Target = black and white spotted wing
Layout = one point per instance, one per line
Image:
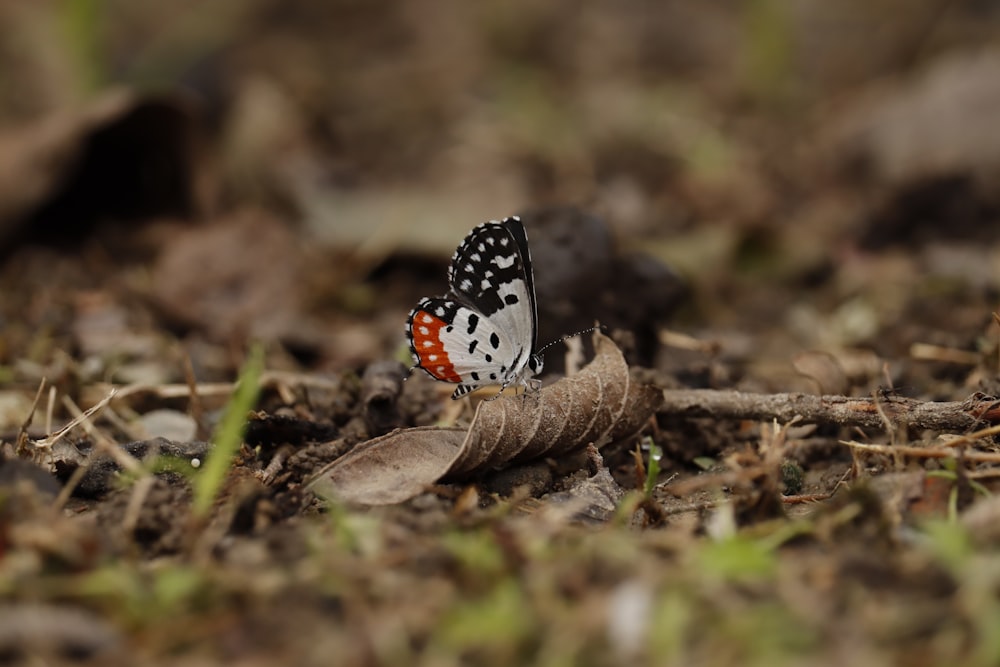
(483, 332)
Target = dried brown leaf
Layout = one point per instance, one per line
(94, 162)
(600, 404)
(34, 159)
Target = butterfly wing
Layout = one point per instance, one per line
(454, 343)
(484, 331)
(491, 270)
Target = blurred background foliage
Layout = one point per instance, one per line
(776, 139)
(656, 113)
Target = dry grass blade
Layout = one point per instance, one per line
(209, 392)
(928, 352)
(46, 443)
(961, 440)
(104, 444)
(22, 435)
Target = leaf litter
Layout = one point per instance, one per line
(599, 405)
(806, 504)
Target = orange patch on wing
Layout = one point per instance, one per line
(429, 347)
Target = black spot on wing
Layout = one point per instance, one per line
(439, 307)
(472, 346)
(473, 322)
(495, 340)
(492, 255)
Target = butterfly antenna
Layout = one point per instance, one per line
(599, 327)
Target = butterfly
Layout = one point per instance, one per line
(483, 332)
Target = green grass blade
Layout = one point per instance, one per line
(652, 468)
(229, 434)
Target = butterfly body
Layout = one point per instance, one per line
(483, 332)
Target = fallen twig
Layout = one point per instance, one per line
(806, 498)
(689, 507)
(925, 452)
(976, 411)
(275, 466)
(686, 487)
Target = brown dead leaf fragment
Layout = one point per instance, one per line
(122, 156)
(600, 404)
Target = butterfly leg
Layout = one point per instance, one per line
(506, 383)
(497, 395)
